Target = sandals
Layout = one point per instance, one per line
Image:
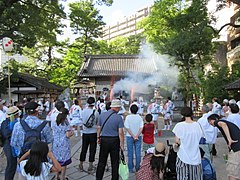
(80, 167)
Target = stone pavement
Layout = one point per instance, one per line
(73, 172)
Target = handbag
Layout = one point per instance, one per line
(203, 139)
(123, 168)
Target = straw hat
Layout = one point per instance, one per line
(116, 103)
(12, 111)
(160, 147)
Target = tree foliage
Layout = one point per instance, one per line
(86, 22)
(181, 30)
(27, 21)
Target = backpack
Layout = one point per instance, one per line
(31, 135)
(208, 172)
(90, 121)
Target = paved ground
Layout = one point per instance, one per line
(73, 172)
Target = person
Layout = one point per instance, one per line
(4, 104)
(154, 109)
(2, 114)
(12, 115)
(111, 139)
(231, 134)
(134, 126)
(187, 136)
(46, 105)
(75, 116)
(141, 106)
(61, 146)
(152, 165)
(217, 108)
(234, 116)
(148, 133)
(89, 137)
(171, 107)
(209, 172)
(210, 132)
(52, 115)
(18, 134)
(225, 108)
(37, 166)
(101, 107)
(166, 115)
(214, 150)
(137, 103)
(123, 102)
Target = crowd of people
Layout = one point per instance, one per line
(27, 138)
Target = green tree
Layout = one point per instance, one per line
(86, 22)
(126, 45)
(214, 83)
(27, 21)
(182, 31)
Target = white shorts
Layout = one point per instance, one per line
(155, 117)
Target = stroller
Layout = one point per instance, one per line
(170, 170)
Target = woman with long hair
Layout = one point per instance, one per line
(152, 166)
(37, 166)
(61, 143)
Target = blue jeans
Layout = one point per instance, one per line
(11, 162)
(131, 147)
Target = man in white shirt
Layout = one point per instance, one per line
(210, 132)
(234, 116)
(217, 108)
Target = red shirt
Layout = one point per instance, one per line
(148, 133)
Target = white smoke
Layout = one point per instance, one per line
(165, 74)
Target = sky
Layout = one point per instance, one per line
(122, 8)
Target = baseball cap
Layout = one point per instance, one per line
(31, 106)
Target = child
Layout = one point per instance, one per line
(208, 170)
(148, 133)
(37, 166)
(61, 143)
(152, 165)
(75, 116)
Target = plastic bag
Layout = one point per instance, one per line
(123, 168)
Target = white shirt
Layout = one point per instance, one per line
(138, 105)
(5, 108)
(46, 167)
(75, 115)
(66, 105)
(210, 132)
(2, 116)
(102, 107)
(217, 108)
(85, 115)
(133, 122)
(52, 116)
(47, 104)
(234, 118)
(122, 110)
(189, 135)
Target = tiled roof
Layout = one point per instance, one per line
(118, 65)
(233, 86)
(39, 83)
